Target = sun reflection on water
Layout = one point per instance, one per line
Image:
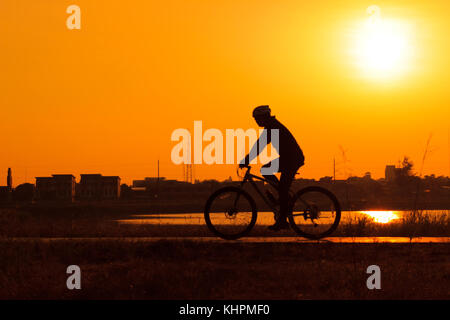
(382, 216)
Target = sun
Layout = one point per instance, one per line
(382, 216)
(382, 48)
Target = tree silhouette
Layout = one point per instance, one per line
(406, 168)
(404, 176)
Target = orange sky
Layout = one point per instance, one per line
(106, 98)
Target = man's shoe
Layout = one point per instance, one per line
(279, 225)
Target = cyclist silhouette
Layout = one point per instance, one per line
(290, 160)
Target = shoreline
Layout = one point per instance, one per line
(128, 207)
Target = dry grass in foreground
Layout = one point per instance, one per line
(189, 270)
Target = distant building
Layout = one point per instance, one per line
(6, 192)
(98, 187)
(58, 187)
(154, 186)
(9, 179)
(326, 179)
(138, 184)
(389, 173)
(149, 182)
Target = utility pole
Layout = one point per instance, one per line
(334, 169)
(448, 140)
(157, 182)
(189, 173)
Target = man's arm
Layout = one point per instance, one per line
(259, 145)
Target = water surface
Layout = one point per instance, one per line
(266, 218)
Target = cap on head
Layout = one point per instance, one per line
(261, 111)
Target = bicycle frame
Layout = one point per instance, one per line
(310, 211)
(250, 178)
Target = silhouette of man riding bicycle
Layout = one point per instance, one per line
(290, 160)
(313, 212)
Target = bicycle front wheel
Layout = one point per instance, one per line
(315, 212)
(230, 213)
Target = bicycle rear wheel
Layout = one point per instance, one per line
(230, 213)
(315, 212)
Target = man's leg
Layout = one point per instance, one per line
(285, 184)
(287, 176)
(283, 196)
(268, 172)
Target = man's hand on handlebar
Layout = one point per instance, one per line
(244, 163)
(242, 166)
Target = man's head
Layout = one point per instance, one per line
(261, 115)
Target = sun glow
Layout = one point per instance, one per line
(382, 216)
(382, 47)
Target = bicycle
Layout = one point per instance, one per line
(314, 212)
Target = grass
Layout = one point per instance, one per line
(416, 224)
(190, 270)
